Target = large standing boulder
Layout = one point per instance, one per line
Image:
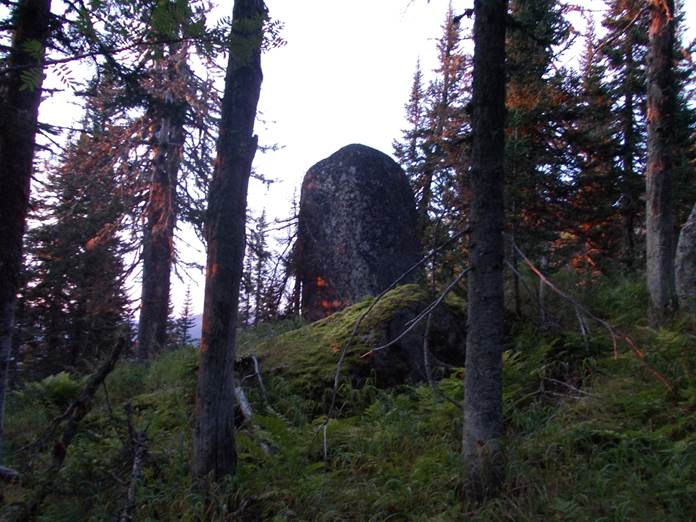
(685, 264)
(357, 229)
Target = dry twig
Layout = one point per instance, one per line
(425, 313)
(614, 332)
(138, 441)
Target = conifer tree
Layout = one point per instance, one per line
(21, 78)
(536, 102)
(435, 149)
(214, 452)
(185, 322)
(74, 301)
(625, 51)
(661, 111)
(167, 117)
(592, 222)
(260, 256)
(411, 151)
(684, 123)
(483, 458)
(169, 110)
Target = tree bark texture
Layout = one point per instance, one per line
(660, 252)
(483, 464)
(158, 240)
(20, 96)
(214, 448)
(685, 264)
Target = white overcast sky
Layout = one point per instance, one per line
(343, 77)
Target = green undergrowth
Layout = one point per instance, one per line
(588, 435)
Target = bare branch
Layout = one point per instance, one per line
(613, 331)
(414, 322)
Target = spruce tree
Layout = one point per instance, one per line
(483, 469)
(168, 109)
(625, 51)
(74, 300)
(410, 152)
(435, 149)
(185, 322)
(260, 255)
(536, 118)
(592, 224)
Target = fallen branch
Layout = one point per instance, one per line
(614, 332)
(569, 386)
(243, 402)
(376, 300)
(428, 368)
(73, 415)
(248, 414)
(540, 305)
(425, 313)
(426, 355)
(257, 371)
(138, 441)
(97, 379)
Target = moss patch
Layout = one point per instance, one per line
(308, 356)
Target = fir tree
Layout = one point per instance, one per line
(435, 149)
(592, 223)
(536, 102)
(259, 258)
(74, 299)
(410, 151)
(185, 322)
(625, 49)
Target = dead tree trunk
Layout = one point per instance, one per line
(483, 459)
(658, 175)
(20, 96)
(214, 448)
(158, 240)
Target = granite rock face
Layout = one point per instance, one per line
(357, 229)
(685, 264)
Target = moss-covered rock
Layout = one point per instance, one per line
(307, 356)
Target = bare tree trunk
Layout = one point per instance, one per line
(214, 448)
(660, 251)
(483, 464)
(158, 239)
(19, 106)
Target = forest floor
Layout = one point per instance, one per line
(590, 432)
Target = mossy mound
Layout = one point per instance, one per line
(308, 356)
